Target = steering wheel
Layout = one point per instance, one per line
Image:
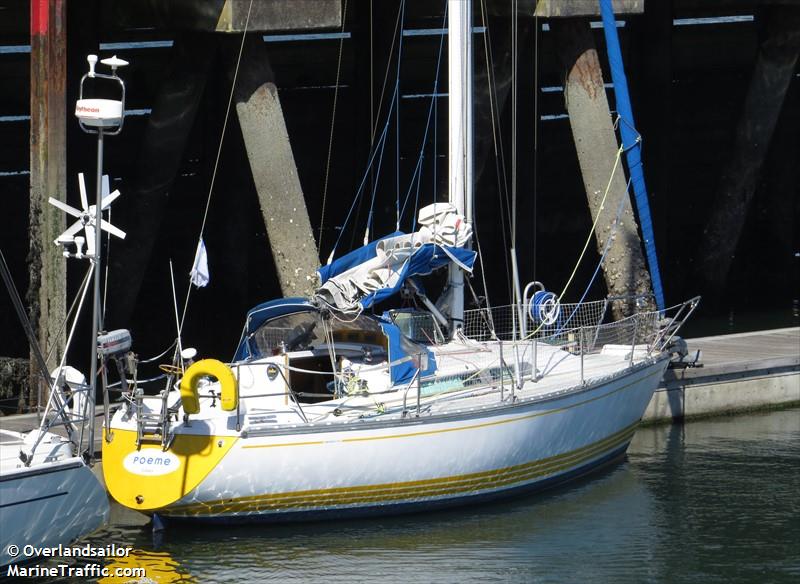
(170, 369)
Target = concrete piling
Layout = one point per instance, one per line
(592, 126)
(272, 164)
(772, 75)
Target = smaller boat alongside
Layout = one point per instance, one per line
(51, 498)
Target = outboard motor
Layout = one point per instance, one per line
(116, 346)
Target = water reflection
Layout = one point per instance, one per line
(709, 501)
(520, 539)
(159, 567)
(725, 496)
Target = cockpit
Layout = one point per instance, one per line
(380, 351)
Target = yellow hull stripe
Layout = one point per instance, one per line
(460, 428)
(383, 493)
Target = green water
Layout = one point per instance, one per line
(709, 501)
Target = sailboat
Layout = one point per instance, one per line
(329, 410)
(49, 494)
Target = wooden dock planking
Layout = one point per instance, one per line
(748, 351)
(737, 372)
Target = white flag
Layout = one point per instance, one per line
(199, 274)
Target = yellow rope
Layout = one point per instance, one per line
(594, 224)
(589, 238)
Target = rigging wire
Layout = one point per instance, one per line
(435, 147)
(357, 196)
(397, 120)
(397, 34)
(82, 295)
(376, 149)
(499, 151)
(63, 325)
(535, 136)
(591, 233)
(514, 89)
(105, 276)
(395, 103)
(594, 223)
(225, 121)
(378, 174)
(219, 152)
(333, 123)
(417, 174)
(373, 124)
(483, 270)
(612, 233)
(160, 355)
(388, 67)
(371, 71)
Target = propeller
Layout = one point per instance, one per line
(86, 217)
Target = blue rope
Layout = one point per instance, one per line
(632, 143)
(599, 264)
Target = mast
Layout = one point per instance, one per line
(459, 51)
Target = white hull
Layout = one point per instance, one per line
(404, 465)
(49, 504)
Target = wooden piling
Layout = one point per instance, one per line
(48, 167)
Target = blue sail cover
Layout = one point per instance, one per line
(351, 259)
(632, 145)
(422, 261)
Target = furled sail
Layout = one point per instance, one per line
(376, 271)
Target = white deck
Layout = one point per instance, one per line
(558, 372)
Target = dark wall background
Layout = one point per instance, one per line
(688, 80)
